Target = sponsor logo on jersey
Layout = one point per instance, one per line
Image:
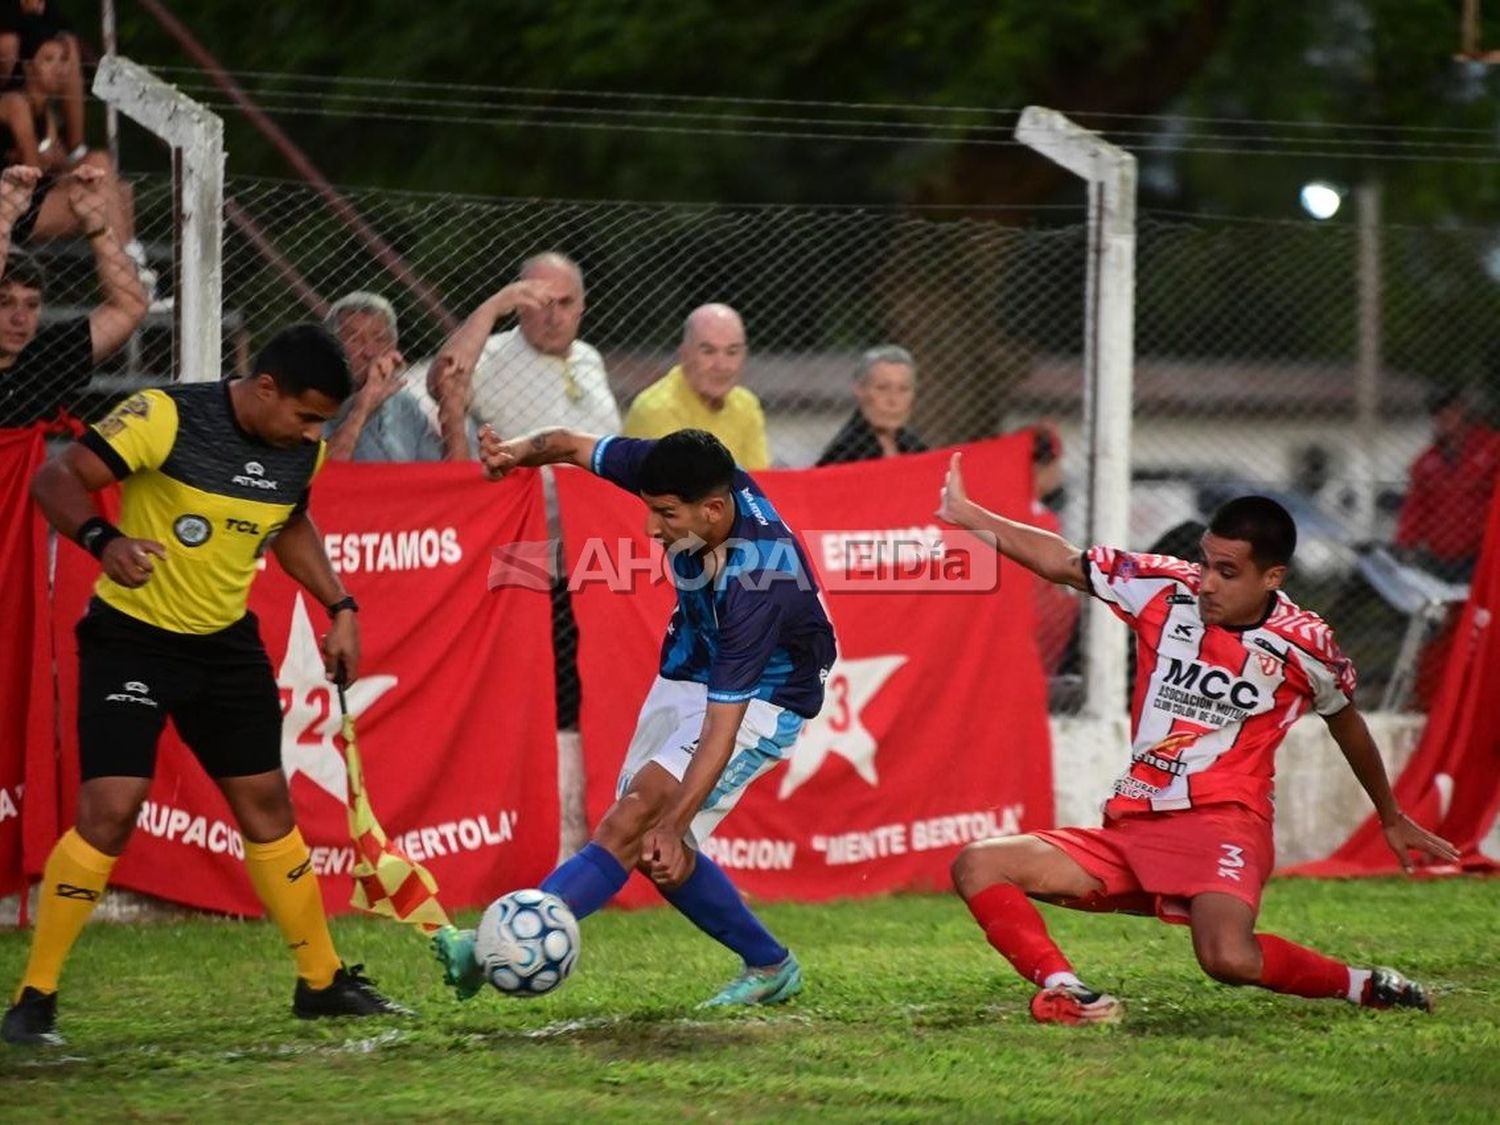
(244, 527)
(748, 499)
(254, 476)
(136, 406)
(1183, 631)
(192, 531)
(1181, 599)
(1279, 654)
(1211, 683)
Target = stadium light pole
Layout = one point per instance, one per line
(1108, 367)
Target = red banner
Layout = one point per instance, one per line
(25, 678)
(934, 731)
(455, 700)
(1451, 785)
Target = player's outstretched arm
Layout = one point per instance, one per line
(545, 447)
(1040, 552)
(61, 490)
(1403, 834)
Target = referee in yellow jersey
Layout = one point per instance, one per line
(213, 474)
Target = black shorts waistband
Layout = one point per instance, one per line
(102, 615)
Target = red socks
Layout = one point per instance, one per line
(1014, 927)
(1299, 971)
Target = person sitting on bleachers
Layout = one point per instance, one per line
(885, 389)
(47, 366)
(383, 420)
(29, 135)
(25, 23)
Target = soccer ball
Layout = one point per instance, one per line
(527, 942)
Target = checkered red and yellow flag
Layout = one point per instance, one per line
(385, 881)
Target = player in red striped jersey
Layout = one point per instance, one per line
(1225, 664)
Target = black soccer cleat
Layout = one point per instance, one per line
(351, 993)
(1387, 988)
(32, 1020)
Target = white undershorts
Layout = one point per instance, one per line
(667, 733)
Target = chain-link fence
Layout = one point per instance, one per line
(1248, 370)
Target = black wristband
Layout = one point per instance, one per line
(346, 602)
(96, 533)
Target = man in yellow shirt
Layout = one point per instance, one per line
(703, 393)
(213, 475)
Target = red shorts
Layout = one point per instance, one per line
(1157, 862)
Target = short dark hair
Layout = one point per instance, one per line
(306, 357)
(1261, 522)
(22, 269)
(690, 464)
(1440, 398)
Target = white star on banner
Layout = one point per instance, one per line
(838, 729)
(310, 719)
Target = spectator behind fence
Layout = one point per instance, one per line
(382, 420)
(24, 24)
(885, 389)
(1441, 524)
(44, 367)
(29, 135)
(538, 373)
(535, 375)
(1057, 607)
(703, 393)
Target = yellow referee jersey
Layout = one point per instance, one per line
(209, 492)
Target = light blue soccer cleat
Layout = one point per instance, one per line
(760, 986)
(454, 948)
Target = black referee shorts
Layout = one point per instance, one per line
(217, 688)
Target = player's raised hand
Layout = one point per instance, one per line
(129, 562)
(493, 454)
(1405, 835)
(953, 502)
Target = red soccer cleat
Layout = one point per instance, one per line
(1074, 1004)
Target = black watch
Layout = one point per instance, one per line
(338, 607)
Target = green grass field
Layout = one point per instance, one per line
(907, 1016)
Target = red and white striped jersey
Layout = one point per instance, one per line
(1210, 703)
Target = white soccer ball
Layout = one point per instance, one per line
(527, 942)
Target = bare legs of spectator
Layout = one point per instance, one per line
(55, 218)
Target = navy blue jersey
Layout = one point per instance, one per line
(758, 630)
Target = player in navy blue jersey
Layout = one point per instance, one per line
(742, 668)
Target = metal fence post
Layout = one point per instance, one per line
(197, 138)
(1109, 367)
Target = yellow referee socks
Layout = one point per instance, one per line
(282, 875)
(72, 882)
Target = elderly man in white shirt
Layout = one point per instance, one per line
(536, 375)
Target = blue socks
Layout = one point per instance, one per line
(592, 877)
(709, 900)
(587, 881)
